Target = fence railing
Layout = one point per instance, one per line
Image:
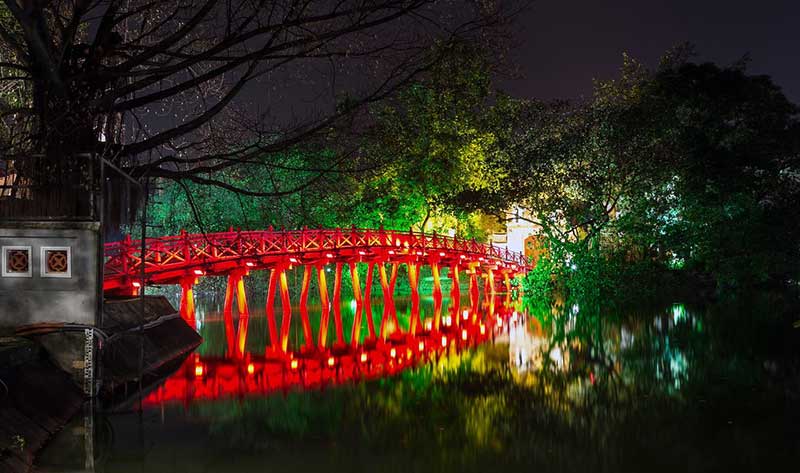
(173, 252)
(45, 188)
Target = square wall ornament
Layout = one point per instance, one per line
(17, 262)
(56, 262)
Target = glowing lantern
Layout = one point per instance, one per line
(444, 341)
(331, 361)
(198, 272)
(250, 368)
(483, 329)
(421, 346)
(464, 334)
(393, 353)
(294, 364)
(363, 357)
(198, 370)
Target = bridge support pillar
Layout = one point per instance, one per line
(355, 333)
(235, 290)
(286, 307)
(337, 304)
(187, 301)
(490, 291)
(368, 304)
(307, 336)
(473, 286)
(392, 285)
(413, 282)
(270, 310)
(387, 288)
(325, 307)
(455, 293)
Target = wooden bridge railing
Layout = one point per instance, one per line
(124, 258)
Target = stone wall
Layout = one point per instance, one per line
(59, 283)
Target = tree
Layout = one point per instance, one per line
(433, 141)
(689, 165)
(441, 138)
(733, 184)
(163, 88)
(571, 165)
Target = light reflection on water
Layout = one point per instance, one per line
(649, 388)
(218, 370)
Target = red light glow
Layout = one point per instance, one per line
(234, 376)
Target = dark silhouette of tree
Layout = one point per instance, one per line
(176, 89)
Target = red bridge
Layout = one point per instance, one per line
(184, 258)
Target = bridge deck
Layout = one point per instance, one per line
(170, 259)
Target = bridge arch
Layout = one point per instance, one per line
(183, 259)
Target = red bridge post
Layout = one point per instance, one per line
(355, 333)
(286, 307)
(337, 304)
(437, 296)
(388, 299)
(413, 281)
(270, 310)
(235, 289)
(473, 285)
(187, 300)
(325, 306)
(367, 300)
(307, 336)
(455, 292)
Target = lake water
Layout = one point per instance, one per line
(670, 387)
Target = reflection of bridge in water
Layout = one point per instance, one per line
(251, 374)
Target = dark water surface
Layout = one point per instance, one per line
(675, 387)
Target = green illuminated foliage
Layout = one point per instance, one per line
(688, 167)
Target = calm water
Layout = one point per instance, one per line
(676, 387)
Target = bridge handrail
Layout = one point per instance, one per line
(122, 257)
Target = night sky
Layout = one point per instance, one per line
(564, 44)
